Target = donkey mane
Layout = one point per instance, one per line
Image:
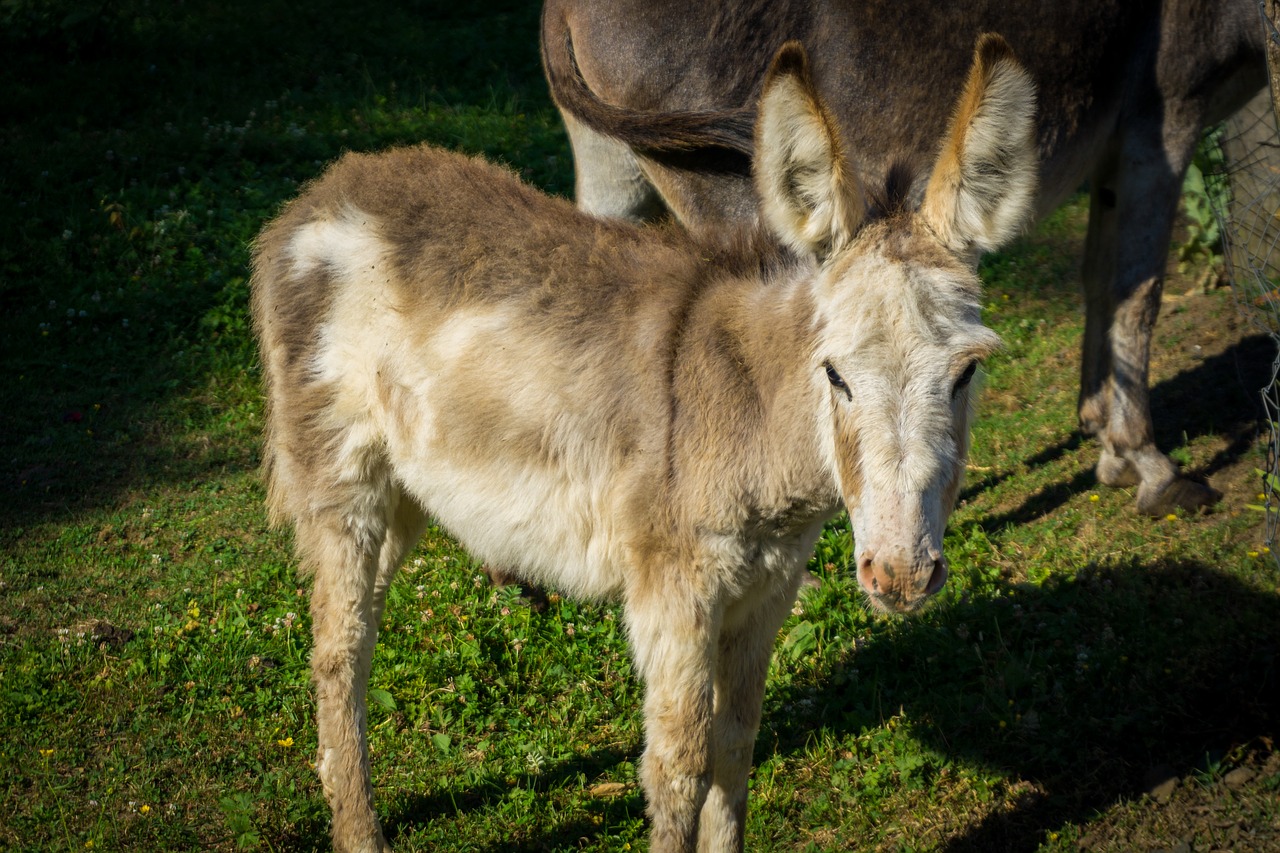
(397, 187)
(893, 198)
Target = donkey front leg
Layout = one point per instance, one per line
(407, 524)
(746, 645)
(353, 564)
(1135, 193)
(673, 640)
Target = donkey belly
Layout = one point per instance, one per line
(543, 525)
(513, 448)
(512, 427)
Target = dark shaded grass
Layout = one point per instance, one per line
(147, 143)
(1097, 678)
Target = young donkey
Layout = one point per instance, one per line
(625, 413)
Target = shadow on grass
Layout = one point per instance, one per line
(602, 812)
(1218, 396)
(123, 115)
(413, 810)
(1081, 686)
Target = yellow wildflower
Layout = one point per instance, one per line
(285, 742)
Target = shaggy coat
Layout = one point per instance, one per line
(659, 97)
(630, 414)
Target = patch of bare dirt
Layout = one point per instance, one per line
(1237, 811)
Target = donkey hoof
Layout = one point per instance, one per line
(1179, 492)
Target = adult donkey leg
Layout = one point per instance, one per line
(743, 665)
(608, 180)
(673, 634)
(345, 549)
(1134, 198)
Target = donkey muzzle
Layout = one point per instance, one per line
(901, 582)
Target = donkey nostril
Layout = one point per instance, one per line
(938, 578)
(867, 574)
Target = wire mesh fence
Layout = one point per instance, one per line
(1241, 167)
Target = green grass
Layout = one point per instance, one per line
(154, 639)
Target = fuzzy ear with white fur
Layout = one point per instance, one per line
(983, 186)
(810, 196)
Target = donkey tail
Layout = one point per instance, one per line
(646, 132)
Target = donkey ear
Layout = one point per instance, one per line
(983, 185)
(809, 195)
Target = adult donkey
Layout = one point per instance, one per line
(657, 95)
(630, 413)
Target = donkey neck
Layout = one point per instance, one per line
(747, 406)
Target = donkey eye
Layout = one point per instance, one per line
(965, 378)
(836, 381)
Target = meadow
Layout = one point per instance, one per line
(1089, 679)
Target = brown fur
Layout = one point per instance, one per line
(1125, 89)
(620, 412)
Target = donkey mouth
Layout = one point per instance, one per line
(892, 592)
(895, 603)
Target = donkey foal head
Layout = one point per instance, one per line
(897, 302)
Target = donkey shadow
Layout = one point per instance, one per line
(1082, 687)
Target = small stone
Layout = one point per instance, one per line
(1160, 782)
(1238, 778)
(106, 634)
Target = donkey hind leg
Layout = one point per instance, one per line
(353, 552)
(608, 180)
(741, 670)
(1134, 196)
(673, 635)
